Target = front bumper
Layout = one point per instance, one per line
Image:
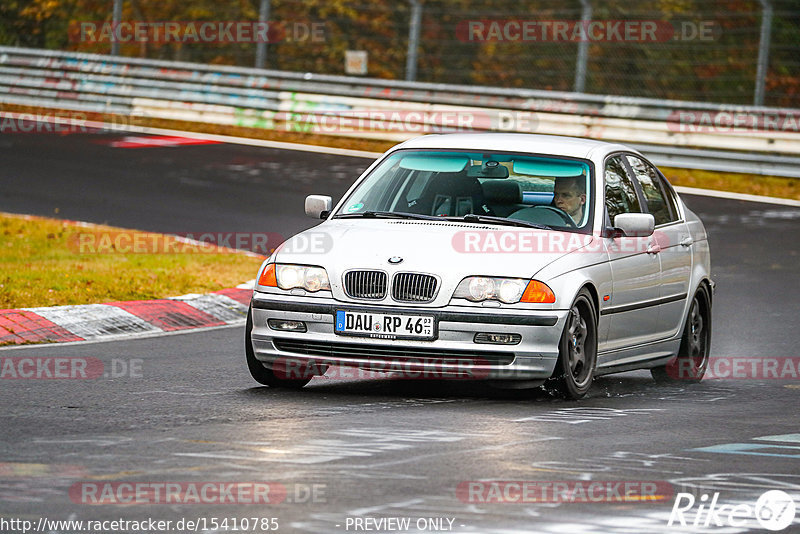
(452, 354)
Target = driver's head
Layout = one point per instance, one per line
(569, 195)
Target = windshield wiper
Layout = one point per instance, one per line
(388, 215)
(471, 217)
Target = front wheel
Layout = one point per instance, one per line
(261, 374)
(692, 360)
(577, 350)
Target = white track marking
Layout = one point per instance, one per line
(736, 196)
(92, 321)
(123, 337)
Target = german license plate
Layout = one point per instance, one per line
(385, 325)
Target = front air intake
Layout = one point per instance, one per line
(369, 285)
(413, 287)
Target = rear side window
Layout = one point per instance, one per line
(669, 196)
(658, 203)
(620, 193)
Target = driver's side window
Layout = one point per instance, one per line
(620, 193)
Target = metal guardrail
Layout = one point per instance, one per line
(389, 109)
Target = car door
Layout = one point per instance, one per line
(631, 310)
(674, 240)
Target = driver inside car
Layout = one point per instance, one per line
(569, 195)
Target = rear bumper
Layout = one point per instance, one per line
(453, 354)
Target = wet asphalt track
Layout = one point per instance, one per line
(379, 448)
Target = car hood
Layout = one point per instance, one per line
(449, 250)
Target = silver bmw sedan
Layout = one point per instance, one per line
(514, 258)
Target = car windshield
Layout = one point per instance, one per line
(485, 187)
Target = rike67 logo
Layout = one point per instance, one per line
(774, 510)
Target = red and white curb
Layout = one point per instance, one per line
(90, 322)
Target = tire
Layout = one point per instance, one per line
(577, 350)
(261, 374)
(692, 360)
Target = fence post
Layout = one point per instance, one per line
(261, 47)
(583, 49)
(763, 52)
(116, 18)
(413, 40)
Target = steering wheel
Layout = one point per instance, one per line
(561, 213)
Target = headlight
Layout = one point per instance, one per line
(508, 290)
(285, 276)
(480, 288)
(309, 278)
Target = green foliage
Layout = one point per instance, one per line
(721, 68)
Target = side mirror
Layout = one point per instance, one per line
(635, 224)
(318, 206)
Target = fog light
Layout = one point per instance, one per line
(497, 339)
(286, 326)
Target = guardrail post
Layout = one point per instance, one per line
(261, 47)
(413, 40)
(116, 18)
(763, 52)
(583, 49)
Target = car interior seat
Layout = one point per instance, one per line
(503, 196)
(451, 195)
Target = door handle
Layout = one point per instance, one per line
(687, 241)
(653, 248)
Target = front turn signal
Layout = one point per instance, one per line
(538, 293)
(268, 277)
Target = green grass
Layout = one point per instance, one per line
(42, 264)
(753, 184)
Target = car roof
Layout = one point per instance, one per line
(515, 142)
